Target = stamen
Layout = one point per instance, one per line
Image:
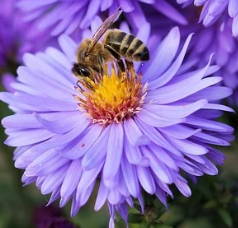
(112, 97)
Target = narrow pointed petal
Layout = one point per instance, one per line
(114, 151)
(146, 179)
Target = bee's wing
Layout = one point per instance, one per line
(104, 27)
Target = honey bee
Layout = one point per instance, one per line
(115, 46)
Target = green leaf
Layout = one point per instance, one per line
(196, 223)
(226, 217)
(172, 216)
(135, 218)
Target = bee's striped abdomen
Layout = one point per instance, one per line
(141, 52)
(127, 45)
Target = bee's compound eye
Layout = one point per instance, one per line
(85, 72)
(80, 70)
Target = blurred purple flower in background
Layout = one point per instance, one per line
(7, 80)
(166, 127)
(218, 40)
(17, 37)
(73, 16)
(214, 10)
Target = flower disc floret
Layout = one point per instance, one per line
(114, 97)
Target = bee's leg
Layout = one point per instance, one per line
(117, 56)
(121, 65)
(78, 86)
(98, 72)
(129, 65)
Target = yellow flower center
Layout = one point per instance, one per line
(112, 97)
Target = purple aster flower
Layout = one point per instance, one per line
(129, 132)
(212, 10)
(16, 37)
(7, 80)
(70, 17)
(217, 40)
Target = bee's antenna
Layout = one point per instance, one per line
(104, 27)
(120, 11)
(117, 13)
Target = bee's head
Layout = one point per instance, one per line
(81, 70)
